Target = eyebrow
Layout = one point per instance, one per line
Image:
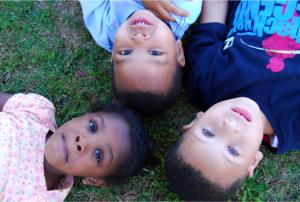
(162, 63)
(110, 152)
(229, 159)
(119, 61)
(108, 146)
(102, 123)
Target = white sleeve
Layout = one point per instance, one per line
(96, 16)
(274, 141)
(193, 7)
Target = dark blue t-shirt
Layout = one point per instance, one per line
(257, 57)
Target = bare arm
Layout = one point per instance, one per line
(214, 11)
(164, 8)
(3, 98)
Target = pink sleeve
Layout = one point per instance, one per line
(34, 106)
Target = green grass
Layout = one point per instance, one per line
(45, 49)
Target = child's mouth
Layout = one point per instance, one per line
(140, 21)
(65, 148)
(242, 112)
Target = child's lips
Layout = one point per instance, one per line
(243, 112)
(140, 21)
(64, 148)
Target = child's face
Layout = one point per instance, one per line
(223, 143)
(91, 145)
(145, 54)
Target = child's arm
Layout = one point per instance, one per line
(214, 11)
(3, 98)
(163, 8)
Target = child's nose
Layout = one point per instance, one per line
(139, 36)
(81, 143)
(232, 126)
(140, 32)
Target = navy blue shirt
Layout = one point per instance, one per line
(256, 57)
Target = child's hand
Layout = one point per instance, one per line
(164, 8)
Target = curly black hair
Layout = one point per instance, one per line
(190, 184)
(150, 103)
(140, 141)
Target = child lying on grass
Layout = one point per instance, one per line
(147, 54)
(255, 68)
(38, 159)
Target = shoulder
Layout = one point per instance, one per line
(32, 105)
(32, 100)
(90, 5)
(205, 41)
(64, 188)
(103, 17)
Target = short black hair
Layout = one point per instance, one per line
(140, 141)
(147, 102)
(190, 184)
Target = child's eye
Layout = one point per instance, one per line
(98, 155)
(92, 126)
(233, 151)
(207, 133)
(155, 52)
(125, 52)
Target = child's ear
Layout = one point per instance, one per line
(180, 53)
(257, 158)
(112, 57)
(94, 181)
(190, 125)
(199, 115)
(113, 52)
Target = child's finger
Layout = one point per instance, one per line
(178, 11)
(166, 15)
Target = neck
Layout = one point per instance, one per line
(268, 130)
(52, 175)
